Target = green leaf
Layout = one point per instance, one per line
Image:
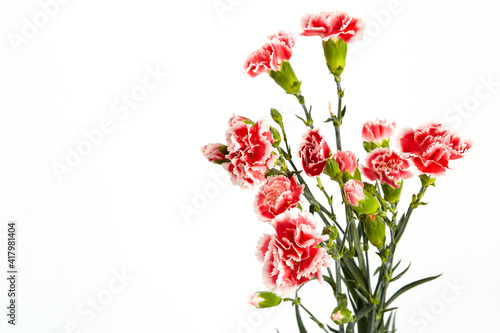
(330, 281)
(332, 329)
(410, 286)
(364, 311)
(388, 310)
(355, 273)
(303, 120)
(302, 328)
(401, 274)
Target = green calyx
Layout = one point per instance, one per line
(335, 55)
(286, 79)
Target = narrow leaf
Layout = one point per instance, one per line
(302, 329)
(410, 286)
(401, 274)
(364, 311)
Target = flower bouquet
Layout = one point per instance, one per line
(258, 156)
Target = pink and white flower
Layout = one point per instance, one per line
(292, 256)
(250, 151)
(353, 190)
(346, 160)
(213, 152)
(277, 195)
(377, 131)
(432, 146)
(314, 152)
(333, 25)
(271, 55)
(387, 167)
(255, 299)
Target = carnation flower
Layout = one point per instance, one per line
(213, 152)
(431, 147)
(387, 167)
(250, 151)
(271, 55)
(292, 256)
(333, 25)
(377, 131)
(314, 152)
(346, 160)
(278, 194)
(353, 190)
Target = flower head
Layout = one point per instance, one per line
(250, 151)
(333, 25)
(347, 160)
(353, 190)
(377, 131)
(214, 152)
(386, 166)
(314, 152)
(432, 146)
(271, 55)
(292, 256)
(278, 194)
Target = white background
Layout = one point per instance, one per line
(122, 208)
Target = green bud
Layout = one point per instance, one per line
(392, 194)
(264, 299)
(341, 315)
(286, 79)
(426, 180)
(276, 116)
(332, 170)
(369, 205)
(375, 230)
(314, 208)
(276, 137)
(335, 55)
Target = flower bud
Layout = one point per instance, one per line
(341, 316)
(375, 230)
(335, 55)
(215, 153)
(276, 115)
(264, 299)
(286, 79)
(332, 169)
(360, 200)
(276, 137)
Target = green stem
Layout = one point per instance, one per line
(339, 110)
(314, 318)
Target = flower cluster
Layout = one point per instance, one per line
(258, 156)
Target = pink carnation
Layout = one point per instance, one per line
(292, 256)
(212, 152)
(277, 195)
(271, 55)
(334, 25)
(255, 299)
(353, 190)
(347, 160)
(250, 151)
(431, 147)
(386, 166)
(314, 152)
(377, 130)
